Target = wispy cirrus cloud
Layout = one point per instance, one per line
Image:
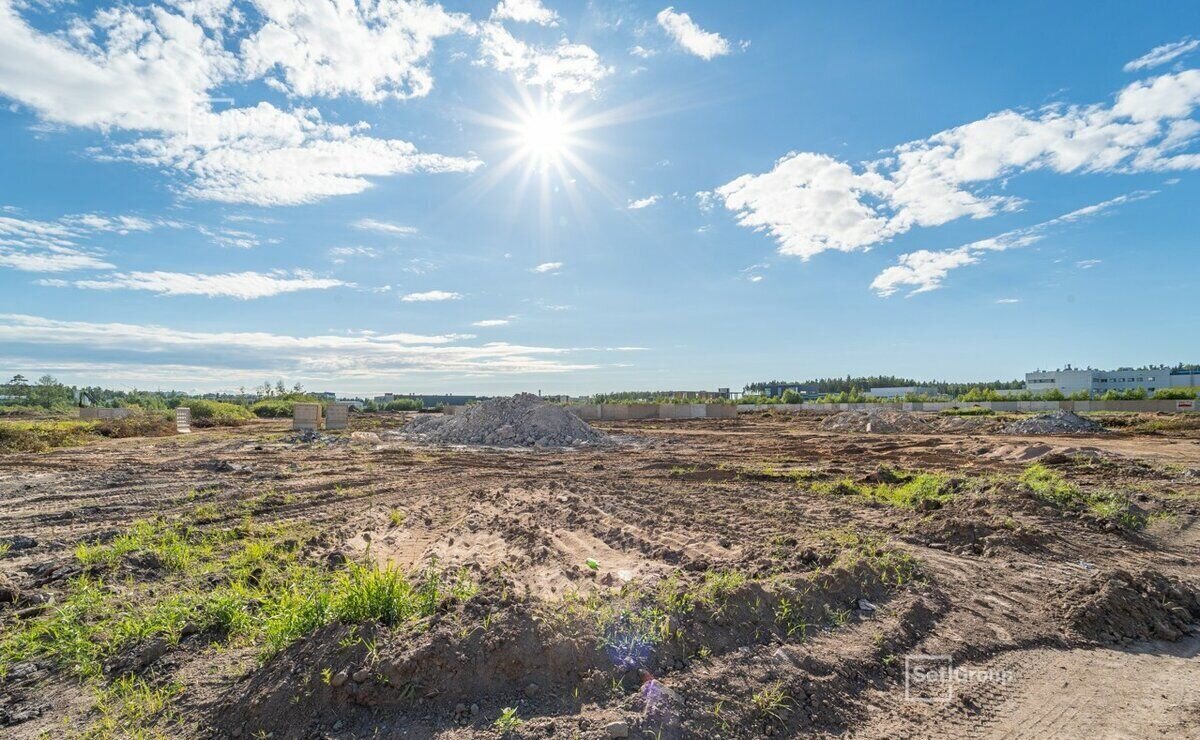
(925, 270)
(1164, 54)
(240, 285)
(384, 227)
(548, 267)
(431, 296)
(345, 357)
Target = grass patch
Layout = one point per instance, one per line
(40, 436)
(968, 411)
(918, 491)
(1052, 487)
(508, 721)
(771, 702)
(243, 586)
(128, 706)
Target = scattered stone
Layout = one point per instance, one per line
(362, 674)
(524, 420)
(866, 606)
(619, 728)
(18, 542)
(531, 690)
(339, 679)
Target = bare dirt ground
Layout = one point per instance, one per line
(736, 578)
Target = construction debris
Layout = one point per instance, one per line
(1059, 422)
(524, 420)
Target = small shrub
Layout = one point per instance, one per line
(217, 413)
(150, 424)
(969, 411)
(39, 436)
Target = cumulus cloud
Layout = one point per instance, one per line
(153, 70)
(925, 270)
(374, 50)
(693, 38)
(811, 202)
(564, 69)
(548, 267)
(646, 202)
(487, 323)
(525, 11)
(431, 296)
(1161, 55)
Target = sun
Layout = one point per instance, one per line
(545, 135)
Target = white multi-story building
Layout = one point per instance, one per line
(1073, 380)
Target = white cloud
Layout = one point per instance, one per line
(1160, 55)
(565, 69)
(1087, 264)
(241, 285)
(642, 52)
(48, 246)
(685, 32)
(525, 11)
(548, 267)
(925, 270)
(640, 203)
(755, 278)
(812, 202)
(269, 157)
(367, 252)
(431, 295)
(1007, 301)
(486, 323)
(155, 66)
(372, 50)
(344, 357)
(384, 227)
(153, 70)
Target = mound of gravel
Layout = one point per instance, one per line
(1059, 422)
(881, 421)
(524, 420)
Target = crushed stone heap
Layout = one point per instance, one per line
(878, 421)
(524, 420)
(1059, 422)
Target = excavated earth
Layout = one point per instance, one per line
(1058, 622)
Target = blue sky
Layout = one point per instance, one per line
(580, 197)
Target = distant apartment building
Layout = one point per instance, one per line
(902, 391)
(1097, 382)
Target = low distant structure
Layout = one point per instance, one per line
(428, 401)
(1070, 380)
(776, 390)
(306, 417)
(902, 391)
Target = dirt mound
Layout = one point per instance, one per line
(523, 420)
(883, 421)
(1113, 606)
(1059, 422)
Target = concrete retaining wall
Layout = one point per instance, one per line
(627, 411)
(306, 416)
(1033, 406)
(91, 413)
(337, 416)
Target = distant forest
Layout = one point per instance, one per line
(850, 383)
